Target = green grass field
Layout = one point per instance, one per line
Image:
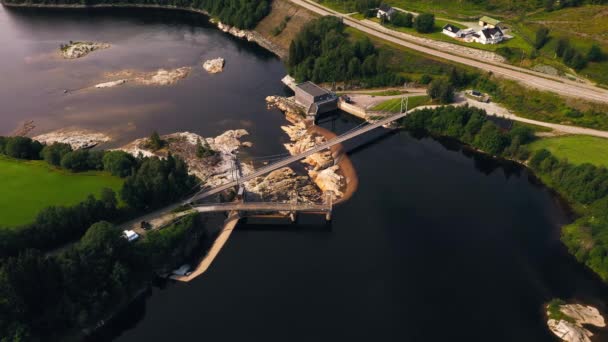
(577, 149)
(29, 186)
(394, 105)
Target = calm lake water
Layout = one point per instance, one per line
(437, 244)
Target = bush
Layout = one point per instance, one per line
(82, 160)
(53, 154)
(424, 23)
(119, 163)
(595, 54)
(542, 37)
(402, 19)
(441, 90)
(20, 147)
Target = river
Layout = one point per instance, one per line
(437, 244)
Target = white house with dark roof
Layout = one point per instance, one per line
(452, 31)
(490, 36)
(385, 11)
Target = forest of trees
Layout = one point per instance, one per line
(44, 296)
(322, 52)
(244, 14)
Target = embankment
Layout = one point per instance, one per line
(215, 249)
(347, 169)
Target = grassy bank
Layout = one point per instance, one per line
(34, 185)
(394, 105)
(577, 149)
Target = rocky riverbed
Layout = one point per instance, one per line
(281, 185)
(80, 49)
(78, 138)
(321, 166)
(569, 323)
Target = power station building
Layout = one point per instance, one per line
(315, 99)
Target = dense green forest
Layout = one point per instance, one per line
(323, 52)
(44, 297)
(150, 182)
(243, 14)
(585, 186)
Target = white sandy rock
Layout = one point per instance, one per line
(213, 66)
(81, 49)
(328, 180)
(111, 84)
(75, 137)
(164, 77)
(575, 332)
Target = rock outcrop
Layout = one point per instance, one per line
(214, 169)
(80, 49)
(571, 327)
(213, 66)
(163, 77)
(160, 77)
(293, 112)
(283, 185)
(75, 137)
(251, 36)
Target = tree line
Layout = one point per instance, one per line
(43, 297)
(244, 14)
(586, 186)
(471, 126)
(323, 52)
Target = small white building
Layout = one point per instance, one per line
(451, 31)
(488, 22)
(130, 235)
(385, 11)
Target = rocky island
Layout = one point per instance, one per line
(213, 66)
(75, 50)
(160, 77)
(567, 321)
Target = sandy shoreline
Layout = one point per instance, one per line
(347, 169)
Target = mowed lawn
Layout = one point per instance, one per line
(394, 105)
(578, 149)
(29, 186)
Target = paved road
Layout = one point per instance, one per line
(531, 78)
(494, 108)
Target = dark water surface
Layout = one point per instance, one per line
(437, 244)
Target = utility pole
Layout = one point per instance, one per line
(406, 100)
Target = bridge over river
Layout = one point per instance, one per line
(204, 193)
